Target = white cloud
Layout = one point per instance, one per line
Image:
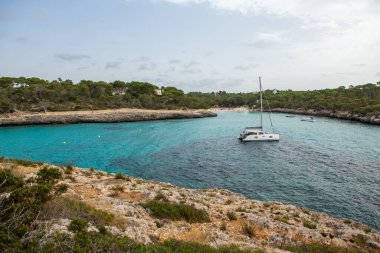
(263, 40)
(329, 37)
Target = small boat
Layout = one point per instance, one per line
(290, 116)
(309, 119)
(257, 133)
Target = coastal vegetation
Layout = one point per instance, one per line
(43, 210)
(35, 94)
(23, 203)
(176, 211)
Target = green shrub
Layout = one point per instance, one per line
(228, 202)
(223, 226)
(360, 239)
(158, 224)
(68, 208)
(102, 229)
(62, 188)
(321, 248)
(118, 188)
(241, 209)
(119, 176)
(248, 229)
(284, 219)
(19, 209)
(309, 224)
(8, 181)
(347, 221)
(231, 216)
(106, 242)
(69, 169)
(160, 196)
(78, 225)
(49, 175)
(266, 205)
(175, 211)
(25, 163)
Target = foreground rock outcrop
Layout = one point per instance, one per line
(233, 218)
(339, 115)
(99, 116)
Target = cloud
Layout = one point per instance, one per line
(191, 67)
(147, 66)
(22, 39)
(209, 53)
(174, 61)
(360, 65)
(190, 64)
(347, 73)
(72, 57)
(378, 74)
(246, 67)
(113, 65)
(142, 59)
(82, 68)
(263, 40)
(316, 13)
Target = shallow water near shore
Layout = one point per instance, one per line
(330, 165)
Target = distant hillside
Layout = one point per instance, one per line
(34, 94)
(363, 99)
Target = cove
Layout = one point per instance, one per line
(330, 165)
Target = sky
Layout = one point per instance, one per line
(196, 45)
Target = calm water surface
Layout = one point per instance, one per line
(330, 165)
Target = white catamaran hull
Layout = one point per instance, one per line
(263, 137)
(257, 133)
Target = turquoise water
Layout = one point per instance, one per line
(330, 165)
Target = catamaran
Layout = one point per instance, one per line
(309, 119)
(257, 133)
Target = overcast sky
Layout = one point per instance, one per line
(197, 45)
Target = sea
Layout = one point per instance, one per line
(330, 165)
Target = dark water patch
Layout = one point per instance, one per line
(309, 178)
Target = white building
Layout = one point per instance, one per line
(159, 92)
(19, 85)
(119, 91)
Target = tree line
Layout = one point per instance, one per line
(35, 94)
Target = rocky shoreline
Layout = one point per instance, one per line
(338, 115)
(99, 116)
(233, 218)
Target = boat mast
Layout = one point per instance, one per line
(261, 104)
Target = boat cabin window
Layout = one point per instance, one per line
(252, 133)
(261, 133)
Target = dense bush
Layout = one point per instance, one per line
(106, 242)
(78, 225)
(323, 248)
(26, 203)
(68, 208)
(20, 208)
(176, 211)
(49, 175)
(34, 94)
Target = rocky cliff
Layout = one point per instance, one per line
(231, 218)
(339, 115)
(99, 116)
